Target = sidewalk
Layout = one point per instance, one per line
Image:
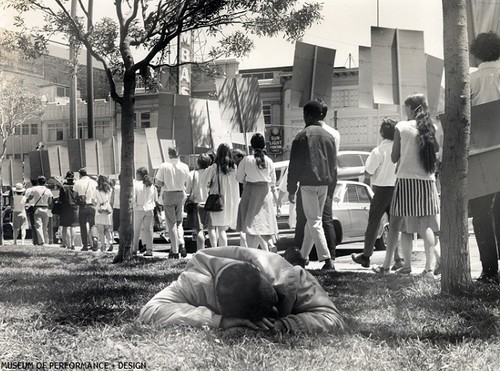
(345, 263)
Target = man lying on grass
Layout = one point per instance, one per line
(228, 287)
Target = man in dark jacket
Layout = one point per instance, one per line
(313, 165)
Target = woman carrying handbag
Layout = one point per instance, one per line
(221, 176)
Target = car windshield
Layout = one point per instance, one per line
(349, 160)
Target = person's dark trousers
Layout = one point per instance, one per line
(380, 204)
(31, 216)
(301, 220)
(328, 227)
(481, 210)
(86, 215)
(327, 219)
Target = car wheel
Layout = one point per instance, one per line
(380, 243)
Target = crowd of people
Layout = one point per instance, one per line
(232, 190)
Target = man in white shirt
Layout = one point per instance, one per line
(382, 171)
(86, 186)
(172, 176)
(41, 198)
(485, 210)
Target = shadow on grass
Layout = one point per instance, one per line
(396, 307)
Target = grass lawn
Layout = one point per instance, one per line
(65, 306)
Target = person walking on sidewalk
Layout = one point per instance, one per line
(41, 199)
(172, 176)
(256, 211)
(144, 201)
(382, 172)
(327, 216)
(85, 188)
(313, 165)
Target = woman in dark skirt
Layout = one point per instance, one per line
(256, 212)
(197, 218)
(68, 218)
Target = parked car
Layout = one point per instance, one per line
(350, 166)
(351, 205)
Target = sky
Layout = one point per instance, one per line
(346, 25)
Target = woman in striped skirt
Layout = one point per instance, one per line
(415, 202)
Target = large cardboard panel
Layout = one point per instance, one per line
(484, 166)
(63, 160)
(312, 73)
(90, 156)
(153, 144)
(384, 66)
(141, 156)
(39, 164)
(365, 87)
(240, 105)
(54, 161)
(218, 133)
(250, 104)
(166, 102)
(7, 176)
(108, 166)
(434, 67)
(75, 154)
(200, 125)
(183, 131)
(411, 63)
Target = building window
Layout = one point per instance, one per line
(62, 92)
(266, 110)
(17, 130)
(103, 130)
(145, 120)
(17, 156)
(34, 129)
(56, 132)
(25, 129)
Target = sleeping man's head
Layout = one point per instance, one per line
(242, 291)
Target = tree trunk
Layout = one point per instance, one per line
(127, 169)
(456, 276)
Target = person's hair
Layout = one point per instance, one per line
(238, 155)
(172, 152)
(70, 174)
(82, 172)
(486, 46)
(243, 292)
(41, 180)
(224, 158)
(324, 108)
(103, 184)
(258, 143)
(204, 160)
(314, 109)
(426, 138)
(144, 174)
(387, 128)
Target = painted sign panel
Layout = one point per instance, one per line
(312, 73)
